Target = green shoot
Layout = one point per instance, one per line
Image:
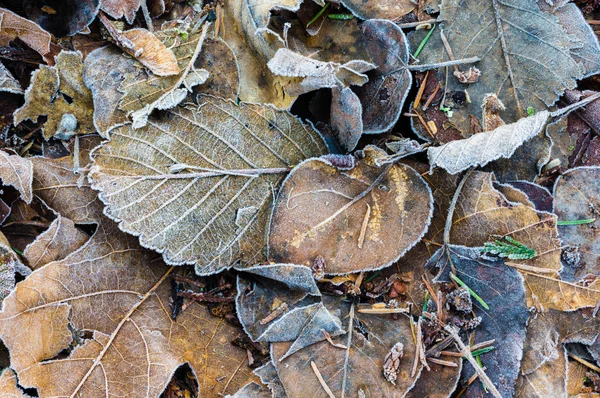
(471, 292)
(425, 40)
(369, 279)
(576, 222)
(341, 17)
(476, 353)
(446, 110)
(425, 304)
(509, 248)
(530, 111)
(571, 147)
(19, 252)
(481, 364)
(321, 11)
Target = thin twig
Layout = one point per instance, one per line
(321, 380)
(568, 109)
(443, 363)
(423, 67)
(147, 17)
(448, 48)
(467, 354)
(421, 90)
(418, 347)
(584, 362)
(378, 311)
(363, 228)
(452, 207)
(431, 97)
(415, 24)
(530, 268)
(336, 345)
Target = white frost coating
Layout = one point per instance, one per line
(488, 146)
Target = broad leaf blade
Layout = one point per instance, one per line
(198, 185)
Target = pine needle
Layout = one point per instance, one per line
(576, 222)
(425, 40)
(509, 248)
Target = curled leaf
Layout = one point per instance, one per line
(378, 213)
(13, 26)
(151, 52)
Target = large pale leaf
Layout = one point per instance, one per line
(525, 53)
(483, 148)
(120, 293)
(576, 198)
(198, 184)
(59, 93)
(359, 367)
(17, 172)
(377, 214)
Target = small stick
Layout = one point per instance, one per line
(432, 293)
(203, 297)
(193, 282)
(421, 348)
(363, 228)
(467, 354)
(483, 344)
(530, 268)
(378, 311)
(421, 90)
(336, 345)
(443, 363)
(424, 124)
(321, 380)
(437, 349)
(584, 362)
(451, 354)
(417, 349)
(429, 21)
(448, 48)
(423, 67)
(147, 17)
(431, 97)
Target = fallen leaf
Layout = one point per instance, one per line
(346, 117)
(526, 56)
(346, 372)
(8, 385)
(252, 390)
(204, 197)
(18, 173)
(483, 148)
(9, 264)
(59, 93)
(547, 292)
(379, 9)
(502, 288)
(383, 96)
(438, 382)
(540, 196)
(223, 75)
(13, 26)
(378, 214)
(57, 242)
(8, 83)
(576, 198)
(67, 17)
(121, 8)
(118, 292)
(151, 52)
(264, 290)
(269, 377)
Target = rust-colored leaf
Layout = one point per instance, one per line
(13, 26)
(151, 52)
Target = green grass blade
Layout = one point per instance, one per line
(425, 40)
(321, 11)
(576, 222)
(471, 292)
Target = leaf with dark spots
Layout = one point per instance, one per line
(502, 288)
(378, 212)
(281, 302)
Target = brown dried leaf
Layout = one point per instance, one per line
(550, 292)
(8, 83)
(483, 213)
(346, 120)
(8, 385)
(526, 55)
(151, 52)
(378, 213)
(9, 264)
(379, 9)
(13, 26)
(369, 339)
(59, 93)
(223, 75)
(121, 8)
(482, 148)
(197, 185)
(577, 197)
(120, 292)
(17, 172)
(57, 242)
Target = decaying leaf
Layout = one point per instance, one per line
(64, 17)
(577, 198)
(8, 83)
(382, 9)
(482, 148)
(59, 93)
(346, 372)
(150, 51)
(9, 264)
(56, 243)
(437, 382)
(383, 96)
(502, 288)
(17, 172)
(13, 26)
(120, 293)
(346, 117)
(483, 214)
(265, 289)
(378, 213)
(121, 8)
(526, 55)
(223, 75)
(198, 184)
(8, 385)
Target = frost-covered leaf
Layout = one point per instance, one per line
(151, 52)
(383, 96)
(120, 294)
(483, 214)
(359, 366)
(485, 147)
(8, 83)
(17, 172)
(377, 213)
(121, 8)
(9, 264)
(198, 184)
(57, 242)
(64, 17)
(577, 198)
(223, 75)
(8, 385)
(502, 289)
(379, 9)
(13, 26)
(526, 55)
(346, 117)
(281, 302)
(59, 93)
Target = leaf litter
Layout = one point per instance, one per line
(232, 199)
